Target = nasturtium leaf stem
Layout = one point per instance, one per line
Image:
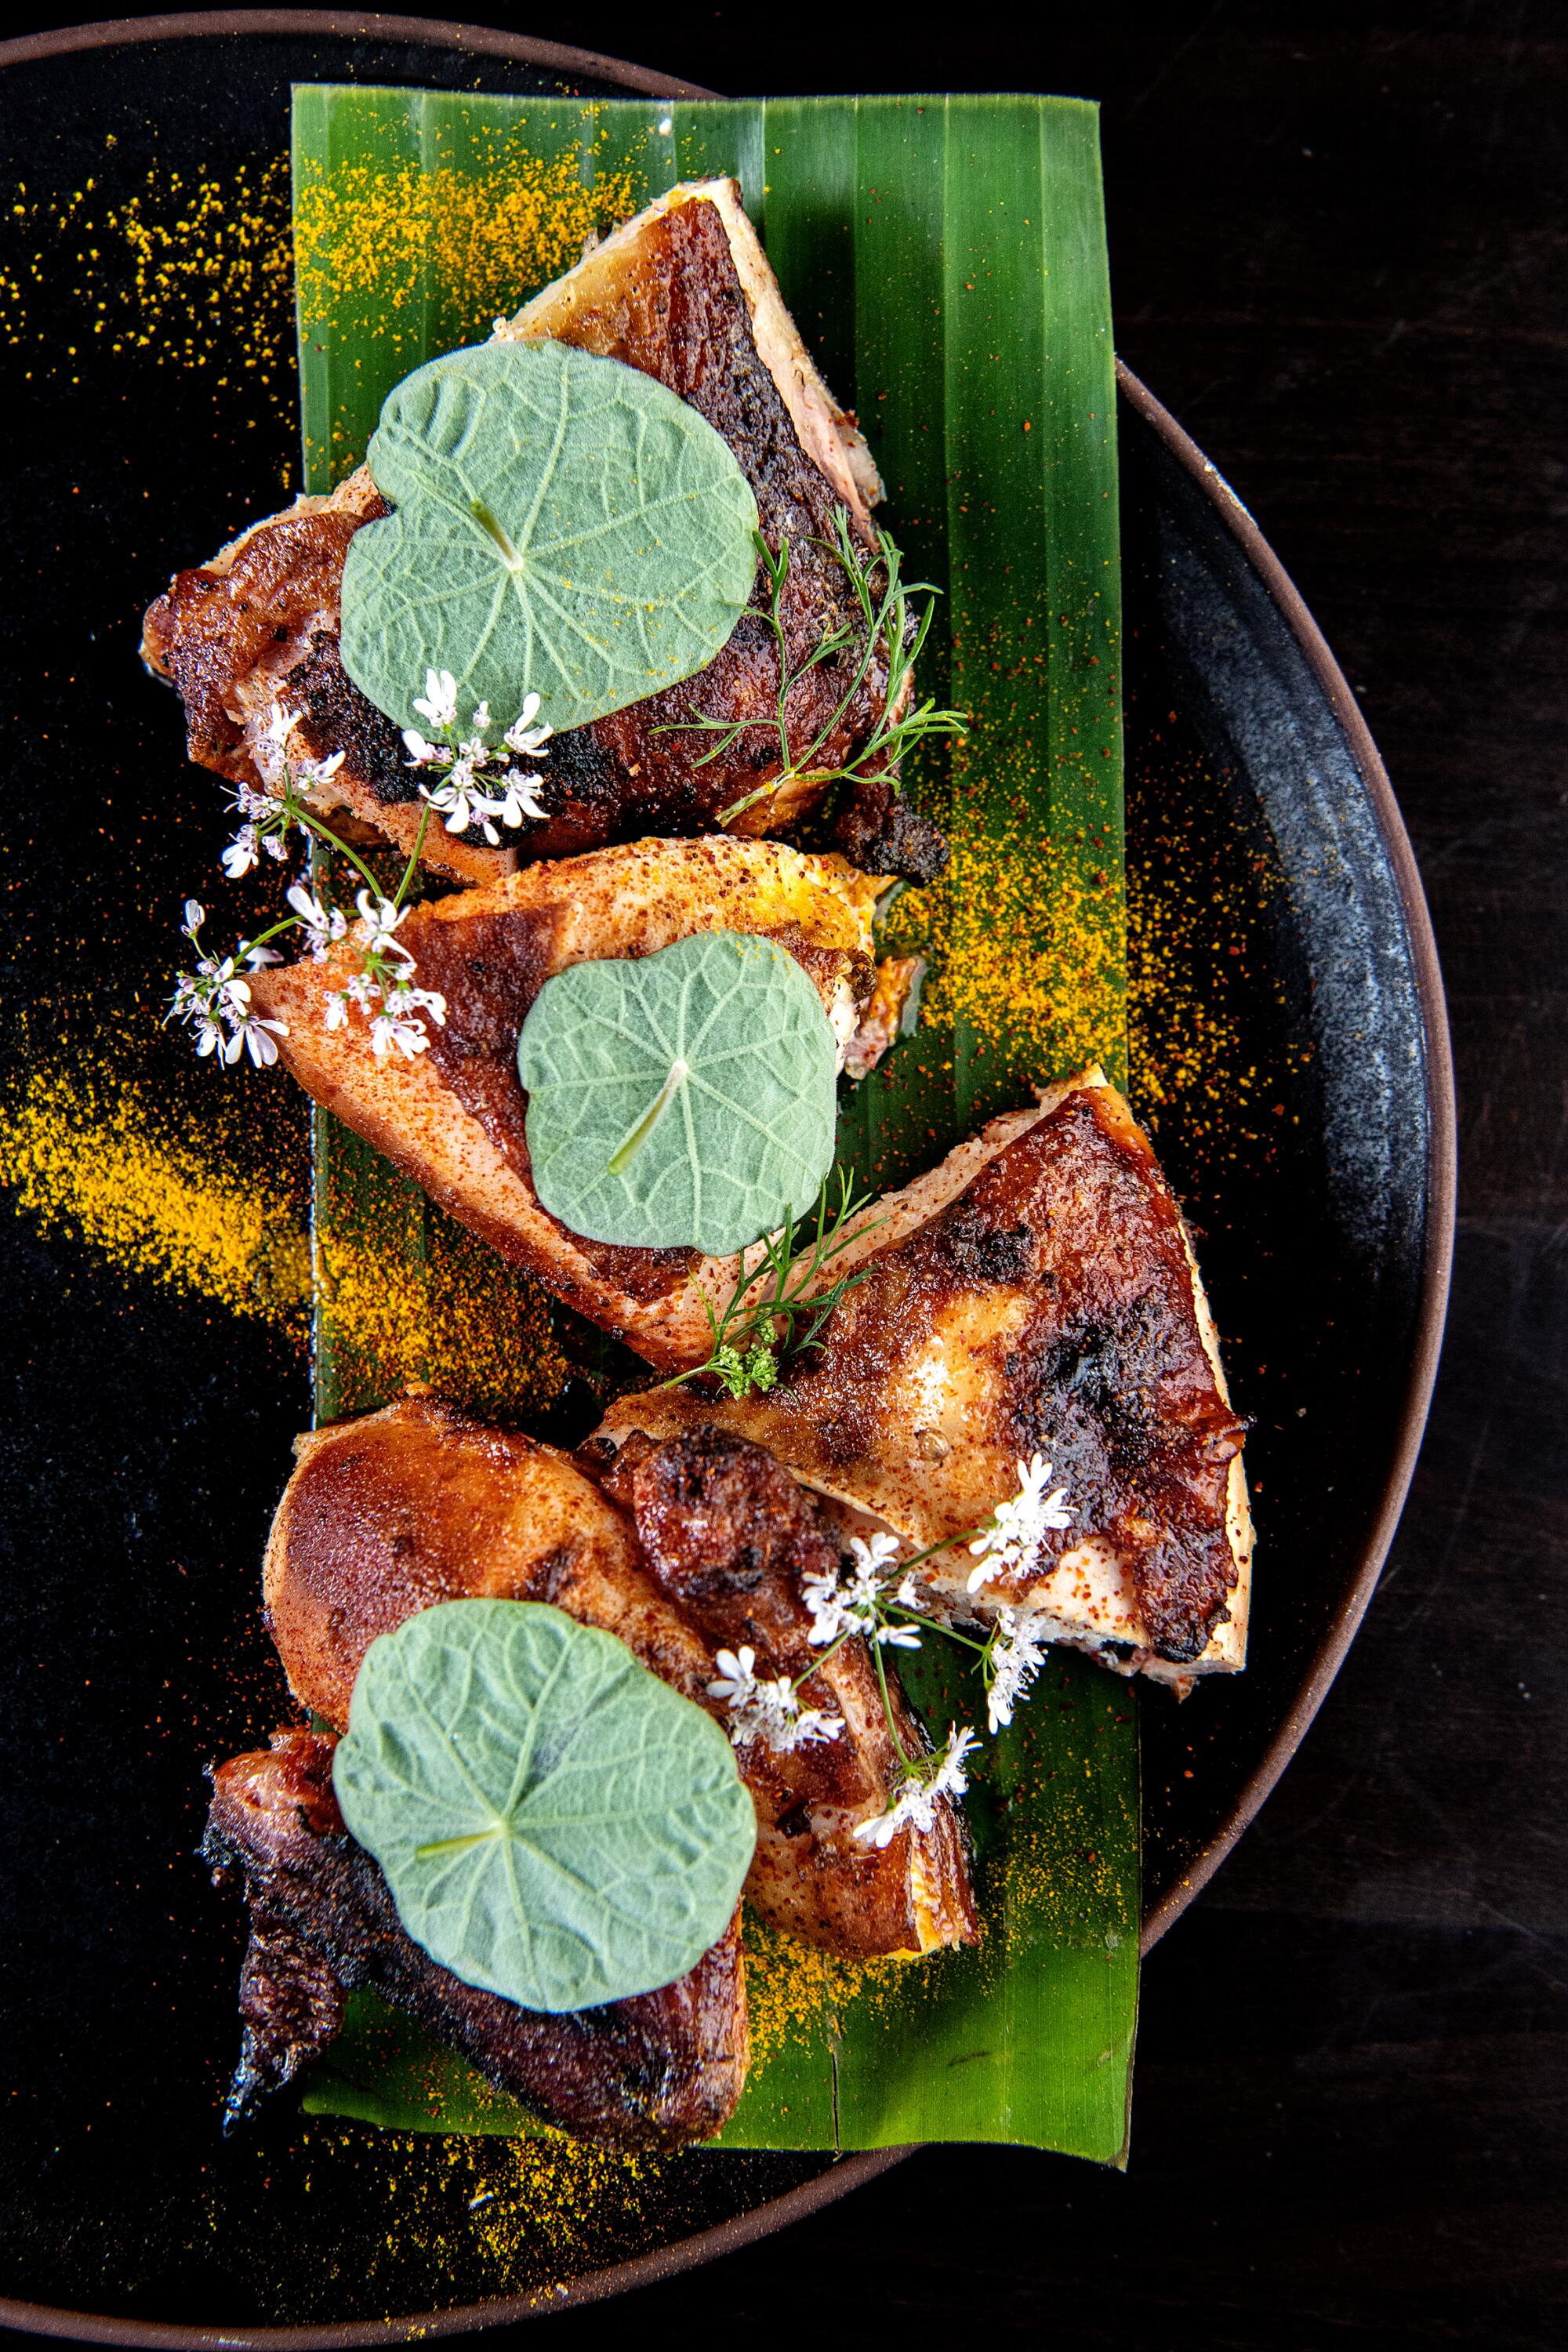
(622, 1160)
(487, 523)
(462, 1844)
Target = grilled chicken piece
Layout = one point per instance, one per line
(728, 1534)
(416, 1504)
(1037, 1291)
(454, 1118)
(683, 293)
(656, 2072)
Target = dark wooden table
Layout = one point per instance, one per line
(1338, 242)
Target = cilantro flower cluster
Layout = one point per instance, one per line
(1010, 1542)
(382, 988)
(269, 819)
(870, 1595)
(839, 1607)
(470, 793)
(1015, 1657)
(770, 1711)
(921, 1791)
(215, 999)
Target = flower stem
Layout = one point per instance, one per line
(308, 823)
(888, 1706)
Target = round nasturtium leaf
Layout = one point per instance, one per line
(563, 526)
(555, 1823)
(685, 1099)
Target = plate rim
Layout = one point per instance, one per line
(1442, 1149)
(850, 2172)
(425, 32)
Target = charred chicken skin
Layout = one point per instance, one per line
(1037, 1293)
(697, 1546)
(684, 294)
(656, 2072)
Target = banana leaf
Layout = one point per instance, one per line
(945, 260)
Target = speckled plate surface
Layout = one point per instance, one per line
(1290, 1052)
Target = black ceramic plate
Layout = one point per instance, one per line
(1292, 1056)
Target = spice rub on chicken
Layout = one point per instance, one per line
(695, 1547)
(453, 1118)
(654, 2072)
(684, 294)
(1036, 1294)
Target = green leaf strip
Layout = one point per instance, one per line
(944, 259)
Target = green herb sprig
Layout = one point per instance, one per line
(756, 1329)
(883, 623)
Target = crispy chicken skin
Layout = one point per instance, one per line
(1036, 1291)
(416, 1504)
(454, 1118)
(291, 2004)
(683, 293)
(656, 2072)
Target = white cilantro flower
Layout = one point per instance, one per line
(402, 1000)
(460, 800)
(524, 736)
(875, 1557)
(520, 803)
(382, 919)
(323, 925)
(737, 1680)
(916, 1799)
(337, 1008)
(1010, 1543)
(823, 1597)
(467, 794)
(952, 1779)
(389, 1033)
(242, 853)
(249, 1032)
(280, 725)
(838, 1607)
(1017, 1656)
(319, 772)
(424, 754)
(439, 703)
(898, 1637)
(769, 1710)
